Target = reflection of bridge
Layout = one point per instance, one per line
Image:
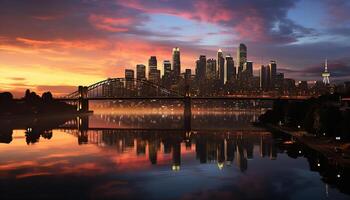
(133, 89)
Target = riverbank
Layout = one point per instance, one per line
(46, 120)
(335, 151)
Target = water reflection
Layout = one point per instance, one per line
(91, 157)
(210, 147)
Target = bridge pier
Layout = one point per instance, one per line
(187, 112)
(83, 127)
(83, 102)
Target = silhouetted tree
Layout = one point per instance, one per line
(47, 97)
(6, 97)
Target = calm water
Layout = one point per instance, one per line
(152, 154)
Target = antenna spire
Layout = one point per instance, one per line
(326, 74)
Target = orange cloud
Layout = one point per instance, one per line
(110, 24)
(66, 44)
(60, 65)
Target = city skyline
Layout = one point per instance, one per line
(175, 99)
(58, 45)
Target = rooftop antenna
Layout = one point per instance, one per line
(325, 73)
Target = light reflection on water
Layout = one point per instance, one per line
(217, 158)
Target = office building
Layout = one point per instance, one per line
(129, 74)
(152, 64)
(129, 78)
(264, 77)
(221, 67)
(176, 61)
(166, 68)
(154, 76)
(211, 69)
(241, 57)
(248, 69)
(140, 72)
(188, 74)
(230, 69)
(273, 73)
(201, 64)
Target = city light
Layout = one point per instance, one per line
(174, 99)
(175, 167)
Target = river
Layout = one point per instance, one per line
(148, 152)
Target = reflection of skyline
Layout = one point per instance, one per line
(135, 151)
(210, 147)
(87, 150)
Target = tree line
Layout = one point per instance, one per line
(32, 104)
(322, 116)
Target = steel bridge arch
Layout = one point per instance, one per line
(91, 87)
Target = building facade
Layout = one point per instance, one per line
(140, 72)
(176, 61)
(230, 69)
(241, 57)
(221, 67)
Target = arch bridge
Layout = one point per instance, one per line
(125, 89)
(119, 89)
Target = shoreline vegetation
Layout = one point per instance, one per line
(323, 116)
(32, 105)
(319, 123)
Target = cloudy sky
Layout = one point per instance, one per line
(59, 44)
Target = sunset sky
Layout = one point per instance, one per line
(58, 44)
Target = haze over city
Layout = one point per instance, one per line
(57, 45)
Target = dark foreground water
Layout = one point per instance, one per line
(154, 156)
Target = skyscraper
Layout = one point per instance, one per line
(152, 63)
(241, 57)
(248, 69)
(264, 77)
(152, 69)
(154, 76)
(230, 69)
(211, 69)
(140, 72)
(221, 66)
(279, 81)
(201, 67)
(188, 74)
(129, 74)
(168, 77)
(167, 68)
(176, 61)
(129, 78)
(273, 73)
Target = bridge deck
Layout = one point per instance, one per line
(193, 98)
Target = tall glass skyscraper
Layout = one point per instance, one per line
(141, 72)
(211, 69)
(176, 61)
(152, 63)
(166, 68)
(241, 57)
(221, 66)
(201, 67)
(273, 73)
(230, 69)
